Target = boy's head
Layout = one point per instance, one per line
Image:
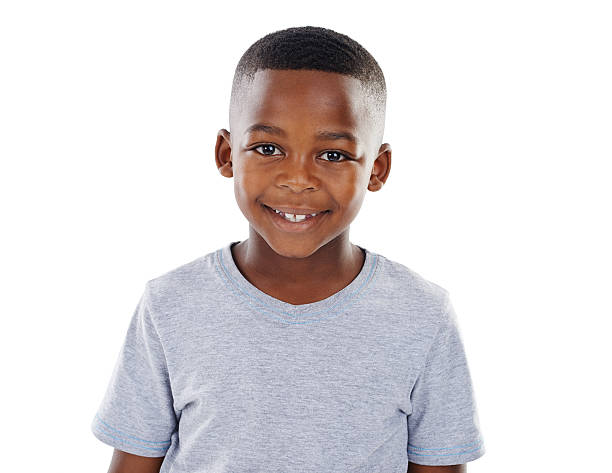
(307, 114)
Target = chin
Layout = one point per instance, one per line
(293, 249)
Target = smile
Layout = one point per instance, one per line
(295, 217)
(295, 222)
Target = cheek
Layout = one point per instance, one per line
(245, 179)
(356, 202)
(350, 199)
(248, 191)
(355, 199)
(242, 192)
(353, 188)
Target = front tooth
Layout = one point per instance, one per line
(293, 217)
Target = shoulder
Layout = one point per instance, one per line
(408, 280)
(404, 288)
(179, 287)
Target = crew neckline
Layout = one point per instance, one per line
(285, 311)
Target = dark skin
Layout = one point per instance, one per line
(414, 468)
(123, 462)
(294, 167)
(297, 162)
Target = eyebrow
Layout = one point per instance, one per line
(321, 135)
(273, 130)
(336, 135)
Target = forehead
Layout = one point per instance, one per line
(303, 100)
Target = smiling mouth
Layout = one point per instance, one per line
(299, 220)
(294, 217)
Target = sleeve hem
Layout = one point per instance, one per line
(127, 443)
(461, 455)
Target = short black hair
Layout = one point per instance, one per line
(314, 48)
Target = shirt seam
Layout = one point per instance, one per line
(335, 307)
(477, 442)
(443, 320)
(161, 343)
(462, 452)
(99, 420)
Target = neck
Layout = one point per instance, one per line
(337, 260)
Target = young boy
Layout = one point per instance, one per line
(295, 350)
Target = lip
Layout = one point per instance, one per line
(295, 227)
(295, 210)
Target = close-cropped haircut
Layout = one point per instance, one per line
(314, 48)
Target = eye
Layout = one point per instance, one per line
(267, 149)
(335, 155)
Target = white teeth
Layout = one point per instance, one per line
(294, 217)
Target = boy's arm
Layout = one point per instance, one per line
(123, 462)
(414, 468)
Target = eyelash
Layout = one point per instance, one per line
(346, 158)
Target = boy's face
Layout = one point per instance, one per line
(304, 158)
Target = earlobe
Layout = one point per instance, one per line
(223, 153)
(380, 168)
(375, 183)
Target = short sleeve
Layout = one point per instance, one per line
(136, 414)
(443, 426)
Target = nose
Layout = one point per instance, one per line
(297, 174)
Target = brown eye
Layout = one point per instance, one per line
(267, 149)
(335, 156)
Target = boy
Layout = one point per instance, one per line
(295, 350)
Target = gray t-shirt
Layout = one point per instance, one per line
(220, 377)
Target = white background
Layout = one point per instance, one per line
(499, 117)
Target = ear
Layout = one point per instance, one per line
(223, 153)
(380, 168)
